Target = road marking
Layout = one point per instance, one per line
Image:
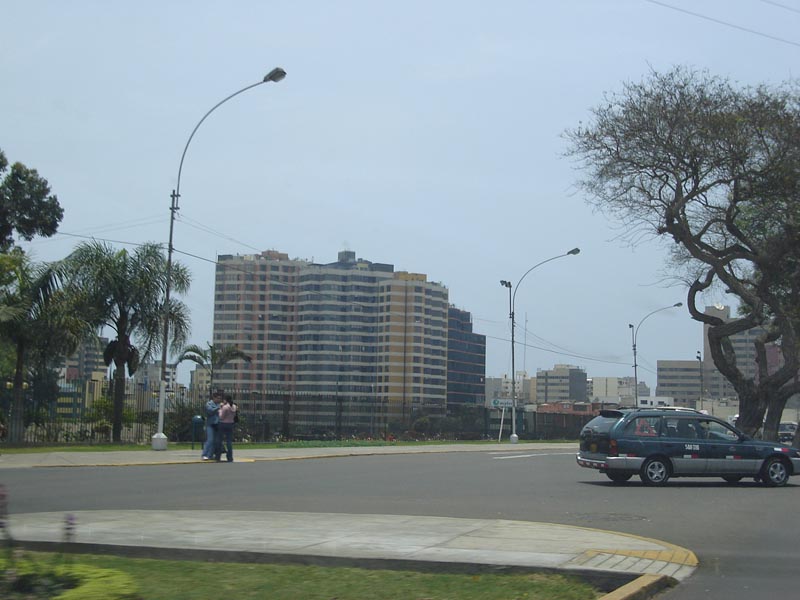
(534, 455)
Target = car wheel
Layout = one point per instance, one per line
(655, 471)
(619, 477)
(732, 478)
(774, 473)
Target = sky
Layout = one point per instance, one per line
(428, 135)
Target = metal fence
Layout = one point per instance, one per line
(80, 412)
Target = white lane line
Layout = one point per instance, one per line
(534, 455)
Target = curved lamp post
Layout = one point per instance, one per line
(159, 441)
(634, 335)
(512, 297)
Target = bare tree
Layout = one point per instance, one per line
(714, 167)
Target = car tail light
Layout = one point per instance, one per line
(612, 448)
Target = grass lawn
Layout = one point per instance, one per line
(179, 580)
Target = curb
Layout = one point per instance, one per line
(604, 581)
(145, 464)
(645, 586)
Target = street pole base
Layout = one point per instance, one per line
(514, 438)
(159, 442)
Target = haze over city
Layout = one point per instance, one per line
(425, 135)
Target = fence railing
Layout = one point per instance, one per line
(80, 412)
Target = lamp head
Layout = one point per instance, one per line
(276, 75)
(505, 283)
(574, 251)
(678, 304)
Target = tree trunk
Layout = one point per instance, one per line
(16, 429)
(773, 420)
(118, 402)
(751, 411)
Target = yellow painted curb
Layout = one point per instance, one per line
(674, 553)
(678, 556)
(640, 588)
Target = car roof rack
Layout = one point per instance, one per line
(670, 408)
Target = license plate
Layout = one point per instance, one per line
(592, 447)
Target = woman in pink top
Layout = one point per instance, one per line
(227, 414)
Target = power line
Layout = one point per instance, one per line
(778, 4)
(721, 22)
(201, 227)
(570, 354)
(99, 239)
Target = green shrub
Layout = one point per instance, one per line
(99, 584)
(40, 579)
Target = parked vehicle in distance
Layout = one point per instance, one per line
(659, 443)
(786, 431)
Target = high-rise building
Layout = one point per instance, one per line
(351, 329)
(466, 361)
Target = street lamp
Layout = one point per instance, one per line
(634, 335)
(512, 297)
(159, 440)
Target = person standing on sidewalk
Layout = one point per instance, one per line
(212, 423)
(227, 415)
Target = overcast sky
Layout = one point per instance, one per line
(423, 134)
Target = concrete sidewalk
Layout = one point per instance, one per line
(243, 454)
(607, 559)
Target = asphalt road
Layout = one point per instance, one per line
(744, 535)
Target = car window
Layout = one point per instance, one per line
(718, 431)
(683, 427)
(643, 427)
(602, 424)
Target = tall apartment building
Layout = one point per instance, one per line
(562, 383)
(349, 329)
(466, 361)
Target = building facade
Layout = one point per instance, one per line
(86, 363)
(466, 361)
(680, 380)
(562, 383)
(352, 337)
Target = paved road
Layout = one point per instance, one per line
(740, 533)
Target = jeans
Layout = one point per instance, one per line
(208, 447)
(224, 434)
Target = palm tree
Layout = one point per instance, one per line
(213, 357)
(125, 292)
(39, 320)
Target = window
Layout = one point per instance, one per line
(643, 427)
(714, 431)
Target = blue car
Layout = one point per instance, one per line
(657, 444)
